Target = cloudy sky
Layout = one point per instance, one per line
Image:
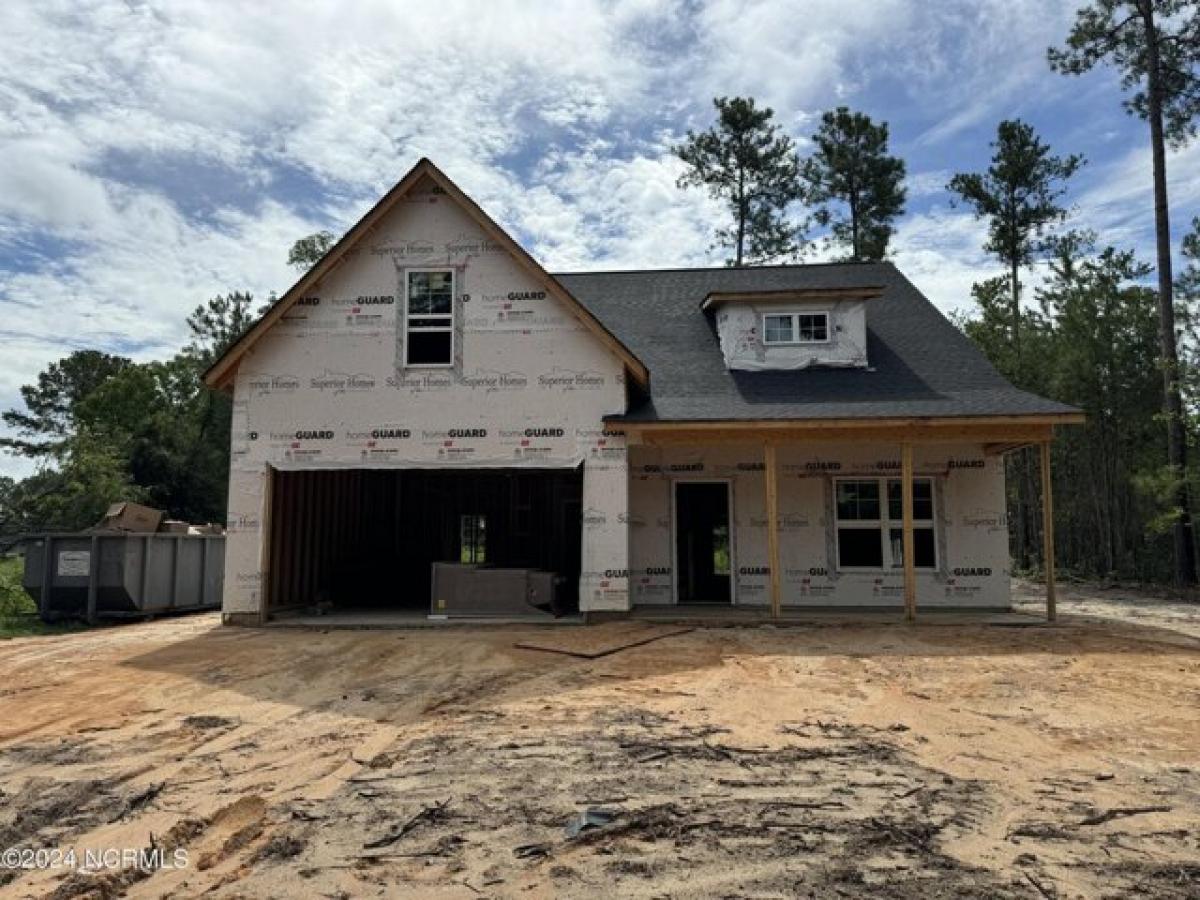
(155, 153)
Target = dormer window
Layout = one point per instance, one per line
(790, 330)
(795, 328)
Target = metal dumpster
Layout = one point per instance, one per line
(96, 576)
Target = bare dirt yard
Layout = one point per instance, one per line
(881, 760)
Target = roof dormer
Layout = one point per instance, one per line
(794, 329)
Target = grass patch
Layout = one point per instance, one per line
(18, 612)
(14, 601)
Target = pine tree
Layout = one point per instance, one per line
(50, 417)
(857, 187)
(216, 324)
(1019, 195)
(747, 163)
(307, 251)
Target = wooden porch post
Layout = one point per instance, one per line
(1048, 532)
(772, 485)
(906, 499)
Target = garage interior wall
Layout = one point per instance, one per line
(366, 538)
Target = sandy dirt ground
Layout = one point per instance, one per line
(880, 760)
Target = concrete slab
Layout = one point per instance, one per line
(350, 619)
(715, 616)
(734, 615)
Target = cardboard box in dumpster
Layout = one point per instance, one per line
(174, 526)
(126, 516)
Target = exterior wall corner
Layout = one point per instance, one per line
(604, 572)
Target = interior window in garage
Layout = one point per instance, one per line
(472, 539)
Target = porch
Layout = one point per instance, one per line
(794, 520)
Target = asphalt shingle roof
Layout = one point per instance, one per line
(919, 364)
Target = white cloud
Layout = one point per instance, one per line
(941, 253)
(1117, 198)
(590, 211)
(974, 63)
(794, 54)
(42, 186)
(927, 184)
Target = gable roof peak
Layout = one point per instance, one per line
(221, 373)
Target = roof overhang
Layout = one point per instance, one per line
(799, 295)
(222, 372)
(999, 434)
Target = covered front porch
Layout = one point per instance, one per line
(779, 519)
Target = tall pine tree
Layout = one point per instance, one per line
(1155, 44)
(747, 163)
(857, 187)
(1019, 195)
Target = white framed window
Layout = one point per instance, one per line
(869, 521)
(796, 328)
(429, 317)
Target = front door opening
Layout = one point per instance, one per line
(702, 542)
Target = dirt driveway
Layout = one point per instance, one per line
(840, 761)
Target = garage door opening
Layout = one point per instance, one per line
(369, 539)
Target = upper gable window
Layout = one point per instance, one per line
(796, 328)
(429, 317)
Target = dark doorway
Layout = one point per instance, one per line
(703, 553)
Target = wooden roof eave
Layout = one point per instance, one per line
(793, 295)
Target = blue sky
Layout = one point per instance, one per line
(155, 154)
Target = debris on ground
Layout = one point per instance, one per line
(589, 819)
(583, 643)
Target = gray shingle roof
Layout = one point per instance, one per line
(919, 363)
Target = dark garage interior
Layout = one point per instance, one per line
(367, 539)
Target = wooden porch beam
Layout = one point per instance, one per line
(771, 478)
(816, 424)
(1002, 447)
(990, 434)
(906, 502)
(1048, 533)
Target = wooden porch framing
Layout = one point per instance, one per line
(998, 435)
